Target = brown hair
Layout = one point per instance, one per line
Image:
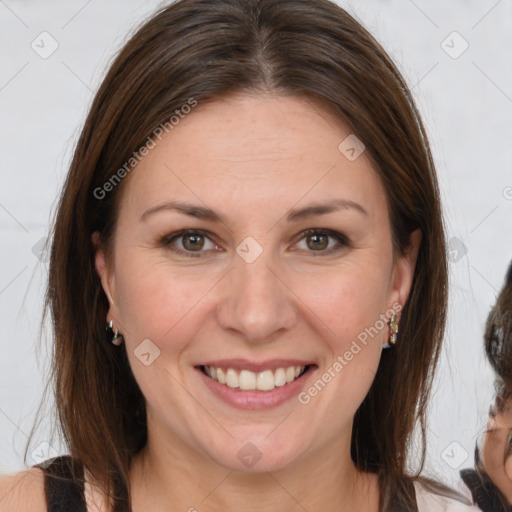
(498, 349)
(498, 343)
(203, 49)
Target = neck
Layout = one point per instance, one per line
(172, 476)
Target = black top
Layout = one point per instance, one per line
(63, 495)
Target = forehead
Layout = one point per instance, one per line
(253, 150)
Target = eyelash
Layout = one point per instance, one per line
(167, 241)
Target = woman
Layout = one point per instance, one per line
(253, 212)
(491, 480)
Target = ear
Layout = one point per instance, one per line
(402, 274)
(105, 274)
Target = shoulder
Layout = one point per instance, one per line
(429, 500)
(23, 491)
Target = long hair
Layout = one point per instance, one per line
(200, 50)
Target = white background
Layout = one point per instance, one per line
(466, 103)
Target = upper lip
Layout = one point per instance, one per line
(256, 366)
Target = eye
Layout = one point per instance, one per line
(191, 241)
(317, 240)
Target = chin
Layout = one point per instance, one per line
(254, 457)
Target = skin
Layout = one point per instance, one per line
(493, 451)
(252, 158)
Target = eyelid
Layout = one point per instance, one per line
(168, 240)
(340, 237)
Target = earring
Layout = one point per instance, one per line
(117, 338)
(393, 324)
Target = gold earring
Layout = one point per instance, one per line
(393, 325)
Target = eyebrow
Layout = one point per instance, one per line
(201, 212)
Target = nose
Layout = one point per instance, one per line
(257, 302)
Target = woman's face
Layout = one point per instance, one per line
(252, 293)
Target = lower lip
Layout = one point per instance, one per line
(256, 399)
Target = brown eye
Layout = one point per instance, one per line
(318, 241)
(189, 243)
(193, 242)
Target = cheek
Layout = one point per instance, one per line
(348, 300)
(492, 447)
(155, 299)
(350, 303)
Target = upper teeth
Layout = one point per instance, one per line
(247, 380)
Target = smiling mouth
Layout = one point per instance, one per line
(246, 380)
